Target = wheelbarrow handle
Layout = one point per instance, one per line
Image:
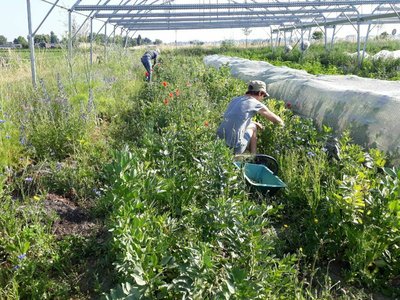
(267, 161)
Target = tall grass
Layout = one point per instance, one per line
(144, 159)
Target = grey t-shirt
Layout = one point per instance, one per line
(236, 119)
(152, 54)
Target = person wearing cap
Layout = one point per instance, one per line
(146, 61)
(237, 128)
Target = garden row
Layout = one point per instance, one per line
(318, 60)
(177, 220)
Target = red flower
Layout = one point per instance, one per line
(166, 101)
(206, 123)
(288, 105)
(146, 74)
(171, 95)
(165, 84)
(177, 92)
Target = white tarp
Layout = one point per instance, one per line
(384, 54)
(369, 108)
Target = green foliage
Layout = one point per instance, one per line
(26, 251)
(41, 38)
(318, 60)
(21, 40)
(317, 35)
(180, 219)
(53, 127)
(3, 40)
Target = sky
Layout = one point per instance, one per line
(14, 23)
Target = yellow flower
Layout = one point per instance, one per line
(36, 197)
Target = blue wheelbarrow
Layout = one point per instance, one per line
(260, 172)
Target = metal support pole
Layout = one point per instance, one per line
(284, 37)
(302, 39)
(70, 34)
(91, 41)
(277, 39)
(326, 38)
(333, 36)
(84, 22)
(365, 43)
(31, 45)
(358, 45)
(126, 39)
(271, 39)
(48, 13)
(105, 43)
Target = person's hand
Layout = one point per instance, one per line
(259, 125)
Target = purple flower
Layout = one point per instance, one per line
(8, 137)
(310, 154)
(58, 166)
(2, 121)
(97, 192)
(16, 267)
(28, 179)
(22, 140)
(22, 256)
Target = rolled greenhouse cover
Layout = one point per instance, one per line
(369, 108)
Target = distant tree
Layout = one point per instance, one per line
(3, 40)
(132, 42)
(98, 38)
(139, 40)
(246, 32)
(317, 35)
(41, 38)
(147, 41)
(21, 40)
(157, 42)
(53, 38)
(384, 35)
(227, 44)
(119, 40)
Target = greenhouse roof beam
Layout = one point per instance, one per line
(197, 25)
(219, 6)
(223, 13)
(360, 19)
(177, 20)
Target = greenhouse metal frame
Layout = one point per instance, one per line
(279, 16)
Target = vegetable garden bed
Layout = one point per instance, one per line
(142, 160)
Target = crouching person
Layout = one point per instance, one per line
(237, 128)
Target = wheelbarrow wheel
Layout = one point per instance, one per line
(268, 161)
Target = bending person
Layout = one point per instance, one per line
(237, 128)
(146, 61)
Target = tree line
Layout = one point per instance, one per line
(97, 38)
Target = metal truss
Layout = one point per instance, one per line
(176, 16)
(280, 16)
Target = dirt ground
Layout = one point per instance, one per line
(72, 219)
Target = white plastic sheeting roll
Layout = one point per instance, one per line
(369, 108)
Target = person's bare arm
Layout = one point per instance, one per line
(269, 115)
